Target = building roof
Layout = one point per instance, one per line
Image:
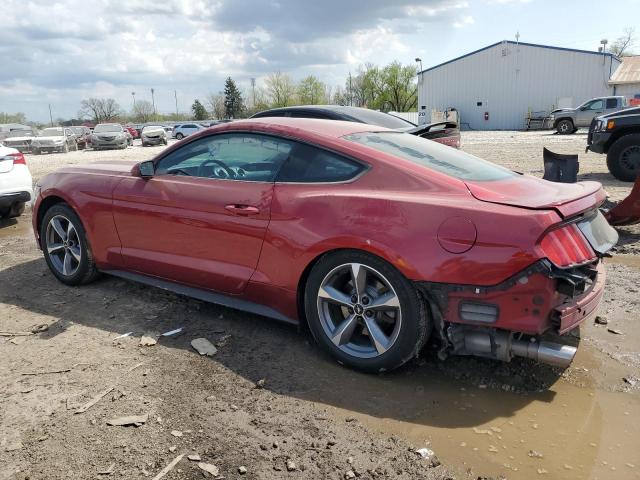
(511, 42)
(627, 72)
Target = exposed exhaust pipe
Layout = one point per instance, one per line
(501, 345)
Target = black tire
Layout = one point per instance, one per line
(179, 136)
(16, 210)
(36, 151)
(414, 327)
(165, 141)
(565, 127)
(618, 162)
(86, 271)
(65, 148)
(144, 144)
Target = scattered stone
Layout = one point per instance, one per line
(209, 468)
(146, 341)
(275, 444)
(425, 452)
(630, 380)
(482, 431)
(349, 475)
(173, 449)
(601, 320)
(542, 471)
(204, 347)
(260, 383)
(242, 469)
(168, 468)
(291, 466)
(136, 420)
(222, 342)
(614, 331)
(194, 457)
(107, 471)
(534, 454)
(493, 449)
(176, 433)
(13, 446)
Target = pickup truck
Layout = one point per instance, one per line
(618, 135)
(568, 120)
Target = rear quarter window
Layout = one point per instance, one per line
(432, 155)
(309, 164)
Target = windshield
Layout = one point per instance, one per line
(152, 127)
(432, 155)
(77, 130)
(52, 132)
(107, 127)
(381, 119)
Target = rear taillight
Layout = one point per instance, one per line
(18, 158)
(566, 246)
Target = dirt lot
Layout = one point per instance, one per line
(482, 418)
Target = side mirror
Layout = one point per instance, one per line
(144, 169)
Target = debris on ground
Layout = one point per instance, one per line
(291, 466)
(601, 320)
(209, 468)
(171, 332)
(242, 470)
(47, 372)
(176, 433)
(106, 391)
(631, 380)
(349, 475)
(147, 341)
(535, 454)
(135, 420)
(107, 471)
(194, 457)
(222, 342)
(128, 334)
(168, 468)
(614, 331)
(204, 347)
(13, 446)
(260, 383)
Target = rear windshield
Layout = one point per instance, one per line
(373, 117)
(432, 155)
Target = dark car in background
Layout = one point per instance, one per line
(83, 135)
(447, 132)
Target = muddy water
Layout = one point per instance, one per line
(567, 431)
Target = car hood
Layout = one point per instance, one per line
(57, 137)
(563, 110)
(153, 131)
(530, 192)
(622, 113)
(107, 167)
(17, 139)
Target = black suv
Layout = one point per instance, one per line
(618, 135)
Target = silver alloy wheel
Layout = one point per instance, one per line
(63, 245)
(359, 310)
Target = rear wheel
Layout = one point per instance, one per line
(65, 148)
(66, 249)
(623, 157)
(565, 127)
(364, 312)
(179, 136)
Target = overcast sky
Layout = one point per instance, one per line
(59, 52)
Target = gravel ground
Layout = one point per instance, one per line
(271, 402)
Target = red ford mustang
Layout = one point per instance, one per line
(376, 239)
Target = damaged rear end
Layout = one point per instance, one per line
(548, 299)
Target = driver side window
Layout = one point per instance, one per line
(228, 156)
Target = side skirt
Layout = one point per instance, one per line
(204, 295)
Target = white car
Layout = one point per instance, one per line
(15, 182)
(186, 129)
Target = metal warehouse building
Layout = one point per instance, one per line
(495, 87)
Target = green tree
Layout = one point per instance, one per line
(311, 91)
(280, 89)
(13, 117)
(199, 112)
(233, 103)
(142, 111)
(400, 87)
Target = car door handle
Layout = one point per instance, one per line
(243, 210)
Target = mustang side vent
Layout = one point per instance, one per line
(478, 312)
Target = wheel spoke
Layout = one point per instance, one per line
(55, 247)
(66, 264)
(378, 338)
(70, 230)
(344, 331)
(385, 301)
(75, 252)
(359, 278)
(333, 295)
(57, 226)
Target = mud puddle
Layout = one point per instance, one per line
(572, 430)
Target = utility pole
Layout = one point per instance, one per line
(153, 102)
(133, 94)
(50, 116)
(175, 95)
(350, 94)
(253, 90)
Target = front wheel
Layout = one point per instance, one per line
(364, 312)
(65, 148)
(179, 136)
(565, 127)
(66, 248)
(623, 157)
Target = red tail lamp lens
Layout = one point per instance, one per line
(566, 246)
(18, 158)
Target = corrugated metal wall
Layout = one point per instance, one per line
(628, 89)
(507, 80)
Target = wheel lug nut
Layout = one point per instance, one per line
(354, 298)
(369, 313)
(365, 300)
(350, 310)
